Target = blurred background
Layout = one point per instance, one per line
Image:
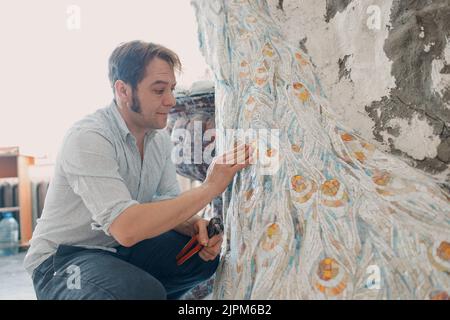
(54, 55)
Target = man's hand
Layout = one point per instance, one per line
(212, 246)
(144, 221)
(224, 167)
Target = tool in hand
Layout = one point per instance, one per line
(215, 226)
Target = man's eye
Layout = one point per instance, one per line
(159, 91)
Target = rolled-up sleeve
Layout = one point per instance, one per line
(91, 168)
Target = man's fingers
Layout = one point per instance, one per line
(235, 152)
(236, 149)
(215, 248)
(210, 253)
(248, 161)
(214, 240)
(240, 156)
(205, 255)
(236, 156)
(202, 234)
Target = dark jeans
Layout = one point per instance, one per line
(147, 270)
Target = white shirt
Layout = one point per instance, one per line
(98, 174)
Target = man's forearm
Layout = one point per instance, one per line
(148, 220)
(187, 227)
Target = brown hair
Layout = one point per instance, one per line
(129, 60)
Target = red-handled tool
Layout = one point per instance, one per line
(215, 226)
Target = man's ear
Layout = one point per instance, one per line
(123, 91)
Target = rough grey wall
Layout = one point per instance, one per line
(385, 65)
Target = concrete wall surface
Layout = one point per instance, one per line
(385, 66)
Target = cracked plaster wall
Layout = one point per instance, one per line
(385, 66)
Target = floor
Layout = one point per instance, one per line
(15, 283)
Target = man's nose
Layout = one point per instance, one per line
(169, 100)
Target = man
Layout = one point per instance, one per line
(114, 218)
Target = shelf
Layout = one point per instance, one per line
(15, 165)
(9, 209)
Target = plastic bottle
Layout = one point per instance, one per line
(9, 235)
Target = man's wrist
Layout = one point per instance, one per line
(191, 222)
(209, 190)
(188, 226)
(185, 228)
